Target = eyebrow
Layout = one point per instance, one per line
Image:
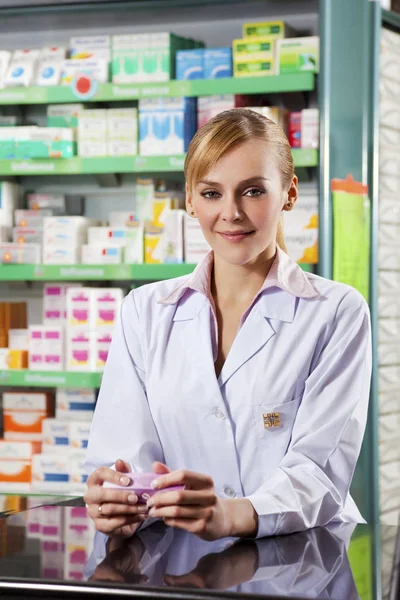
(244, 182)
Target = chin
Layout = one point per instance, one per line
(236, 256)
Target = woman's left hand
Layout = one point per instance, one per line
(197, 509)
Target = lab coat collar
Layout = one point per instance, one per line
(285, 276)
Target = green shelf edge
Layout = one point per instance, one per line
(108, 92)
(143, 272)
(27, 378)
(303, 157)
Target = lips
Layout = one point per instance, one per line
(235, 236)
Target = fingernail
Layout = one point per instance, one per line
(157, 483)
(132, 498)
(124, 480)
(152, 512)
(142, 509)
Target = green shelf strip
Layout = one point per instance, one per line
(93, 166)
(109, 92)
(26, 378)
(143, 272)
(120, 164)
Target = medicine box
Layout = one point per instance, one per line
(162, 205)
(13, 359)
(106, 306)
(28, 254)
(210, 106)
(27, 235)
(298, 54)
(122, 148)
(54, 303)
(15, 465)
(155, 248)
(122, 124)
(195, 245)
(80, 349)
(20, 72)
(31, 218)
(115, 236)
(254, 68)
(144, 194)
(66, 224)
(101, 255)
(217, 63)
(80, 307)
(51, 473)
(102, 343)
(173, 231)
(253, 49)
(46, 348)
(23, 416)
(74, 404)
(44, 142)
(55, 436)
(121, 218)
(64, 115)
(48, 71)
(87, 71)
(18, 339)
(54, 202)
(190, 64)
(90, 149)
(79, 434)
(276, 29)
(134, 250)
(10, 194)
(55, 255)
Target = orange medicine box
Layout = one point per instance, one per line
(15, 465)
(23, 415)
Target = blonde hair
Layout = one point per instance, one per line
(227, 130)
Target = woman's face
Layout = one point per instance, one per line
(239, 203)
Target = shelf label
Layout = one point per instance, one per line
(32, 167)
(33, 378)
(81, 272)
(177, 162)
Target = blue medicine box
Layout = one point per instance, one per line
(190, 64)
(217, 63)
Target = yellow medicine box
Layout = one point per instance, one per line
(275, 29)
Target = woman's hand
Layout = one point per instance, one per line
(198, 509)
(115, 512)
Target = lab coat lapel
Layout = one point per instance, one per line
(258, 329)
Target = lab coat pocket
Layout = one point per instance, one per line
(274, 426)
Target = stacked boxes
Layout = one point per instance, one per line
(122, 131)
(166, 125)
(91, 317)
(304, 128)
(108, 244)
(74, 404)
(92, 132)
(15, 465)
(145, 57)
(209, 63)
(64, 115)
(13, 315)
(279, 115)
(46, 351)
(26, 143)
(210, 106)
(63, 238)
(254, 57)
(23, 414)
(111, 132)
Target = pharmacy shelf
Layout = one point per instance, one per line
(143, 272)
(107, 92)
(26, 378)
(93, 166)
(302, 157)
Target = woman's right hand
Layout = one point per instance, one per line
(120, 513)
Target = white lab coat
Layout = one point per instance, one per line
(308, 359)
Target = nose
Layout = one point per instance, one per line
(231, 210)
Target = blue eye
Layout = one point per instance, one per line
(254, 192)
(211, 195)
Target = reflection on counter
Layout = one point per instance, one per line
(58, 543)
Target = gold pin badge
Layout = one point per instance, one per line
(272, 420)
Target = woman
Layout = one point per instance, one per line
(247, 381)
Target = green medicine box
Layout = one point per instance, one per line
(296, 55)
(276, 29)
(254, 68)
(257, 48)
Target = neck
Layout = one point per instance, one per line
(240, 283)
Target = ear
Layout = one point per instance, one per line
(188, 202)
(291, 195)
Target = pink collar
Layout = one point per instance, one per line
(284, 274)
